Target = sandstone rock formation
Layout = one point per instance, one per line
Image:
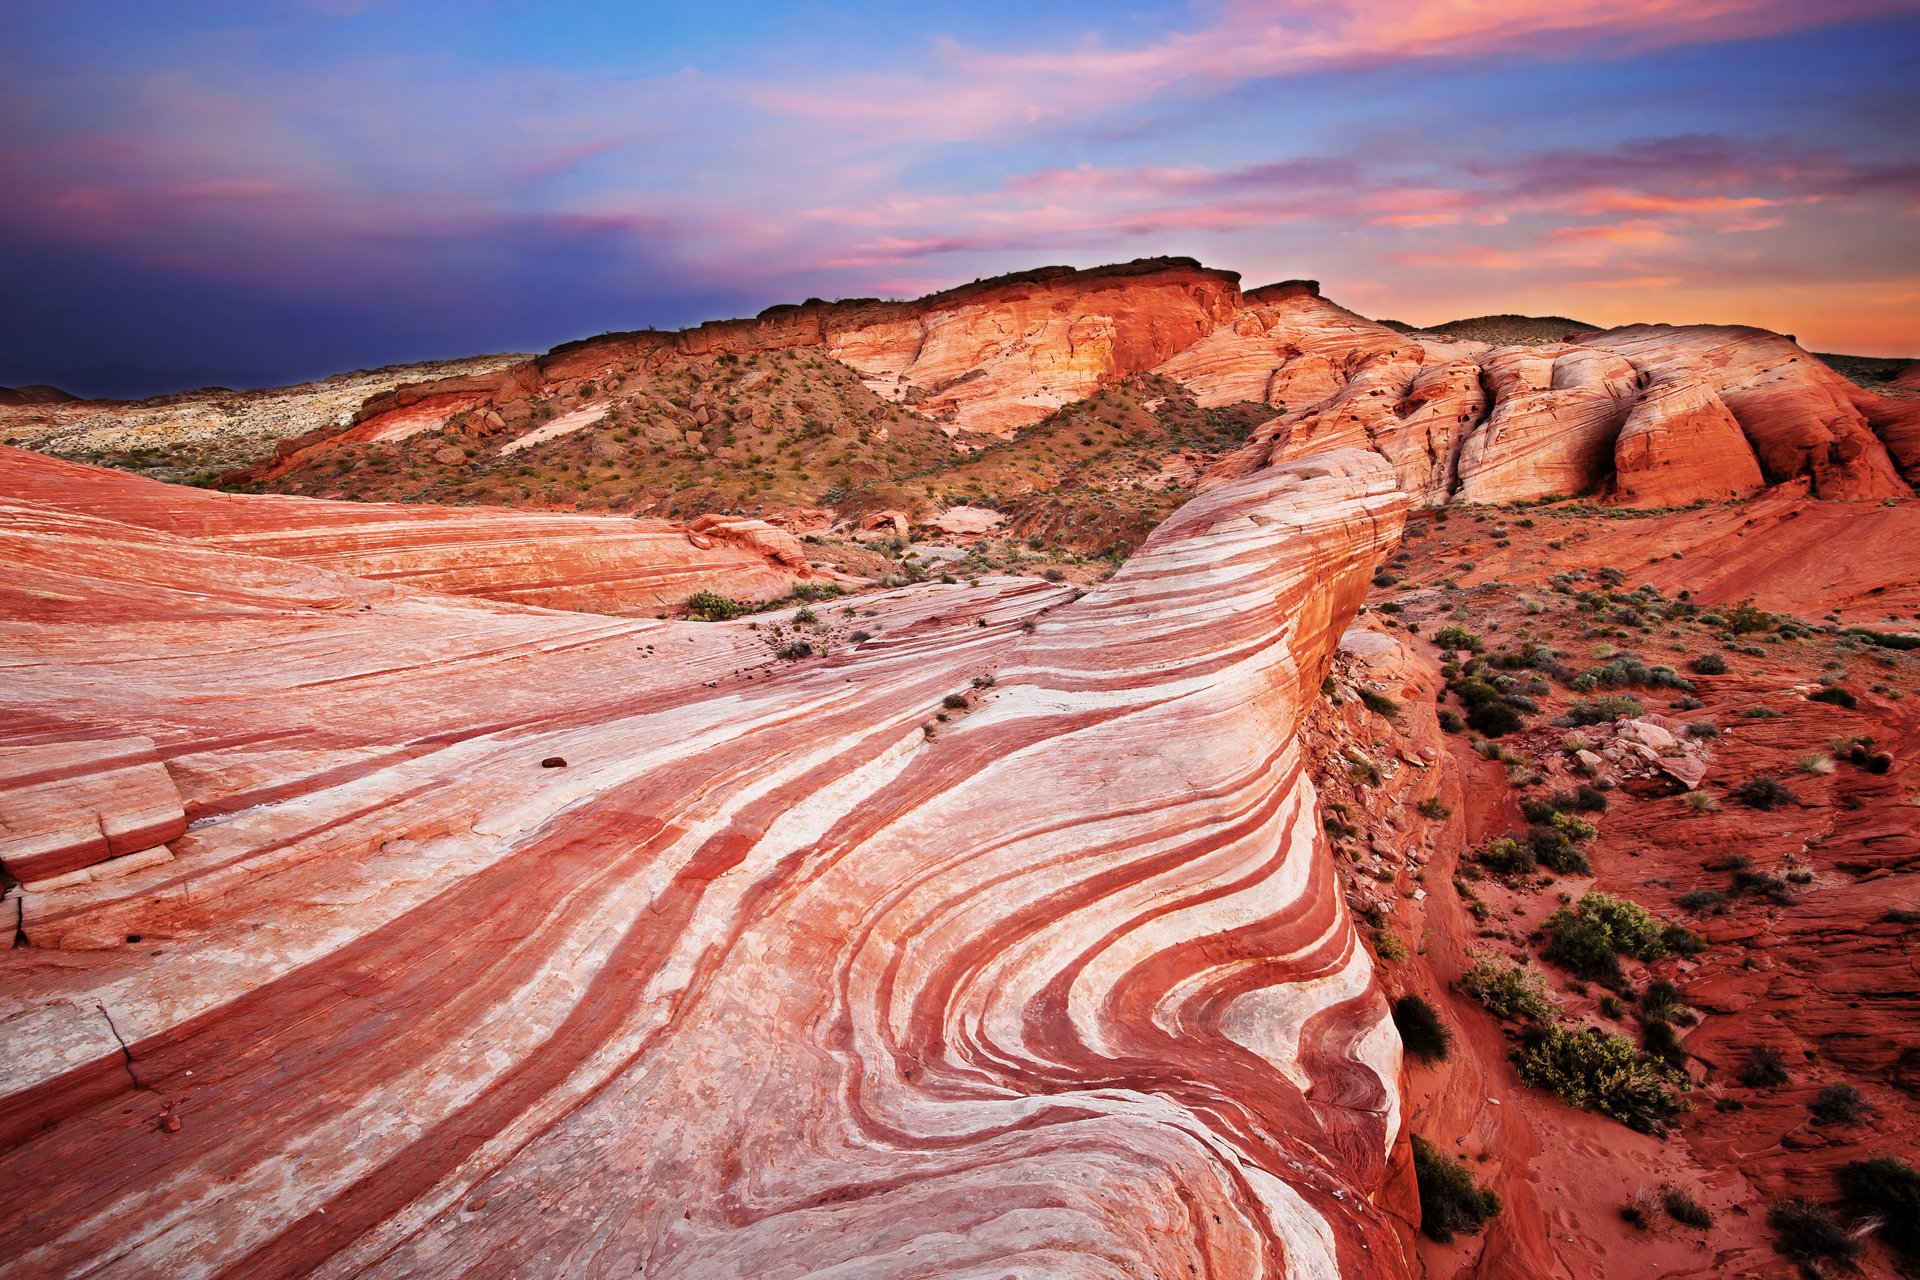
(557, 561)
(779, 975)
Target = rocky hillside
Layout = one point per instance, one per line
(195, 437)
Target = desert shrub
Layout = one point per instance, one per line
(1660, 1041)
(1703, 729)
(1455, 636)
(1887, 1188)
(1495, 719)
(1379, 703)
(1421, 1029)
(1765, 1068)
(1809, 1234)
(1660, 999)
(955, 702)
(1604, 709)
(816, 590)
(1885, 639)
(1553, 845)
(1508, 856)
(1628, 671)
(1682, 1207)
(1764, 792)
(1389, 945)
(1703, 901)
(1834, 694)
(1452, 721)
(1838, 1104)
(1709, 664)
(1434, 808)
(1586, 937)
(794, 650)
(1605, 1073)
(1451, 1202)
(1743, 619)
(1512, 993)
(711, 606)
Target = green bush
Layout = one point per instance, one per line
(816, 590)
(1838, 1104)
(1452, 721)
(1451, 1202)
(1808, 1233)
(1683, 1207)
(1507, 856)
(1587, 937)
(1511, 993)
(1379, 703)
(1421, 1030)
(1764, 792)
(711, 606)
(1887, 1188)
(1765, 1068)
(1495, 719)
(1604, 709)
(1744, 619)
(1454, 636)
(1837, 696)
(1709, 664)
(1604, 1073)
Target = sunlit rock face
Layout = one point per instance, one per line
(1648, 415)
(511, 942)
(600, 563)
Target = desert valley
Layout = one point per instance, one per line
(1091, 772)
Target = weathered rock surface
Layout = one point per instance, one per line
(556, 561)
(778, 975)
(66, 806)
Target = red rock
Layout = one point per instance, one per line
(1798, 413)
(68, 805)
(558, 561)
(793, 984)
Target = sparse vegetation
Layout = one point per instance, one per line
(1838, 1104)
(1451, 1201)
(1886, 1188)
(1421, 1029)
(1764, 792)
(1765, 1068)
(1809, 1234)
(1683, 1207)
(711, 606)
(1512, 992)
(1594, 1071)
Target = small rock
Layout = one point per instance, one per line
(554, 762)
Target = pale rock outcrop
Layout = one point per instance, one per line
(1681, 443)
(1556, 412)
(68, 805)
(1798, 413)
(965, 520)
(601, 563)
(1000, 357)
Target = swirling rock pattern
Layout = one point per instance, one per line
(779, 975)
(607, 564)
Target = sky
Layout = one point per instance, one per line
(213, 192)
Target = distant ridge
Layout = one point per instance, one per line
(1508, 330)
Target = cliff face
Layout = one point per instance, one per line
(799, 974)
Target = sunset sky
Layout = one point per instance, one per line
(252, 193)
